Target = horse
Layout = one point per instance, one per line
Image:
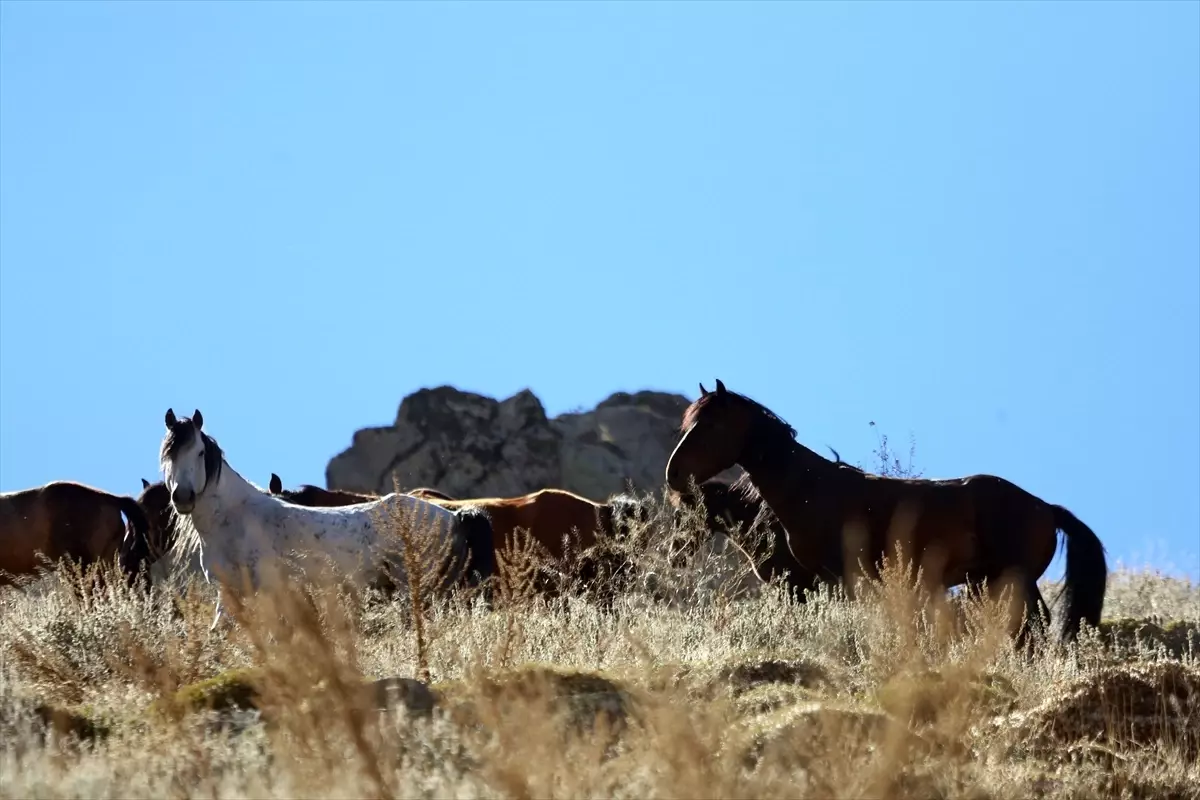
(315, 496)
(734, 508)
(64, 519)
(155, 501)
(425, 493)
(728, 514)
(549, 515)
(236, 525)
(965, 530)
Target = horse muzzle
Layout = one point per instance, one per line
(184, 500)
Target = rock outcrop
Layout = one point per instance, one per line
(469, 445)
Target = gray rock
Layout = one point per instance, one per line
(469, 445)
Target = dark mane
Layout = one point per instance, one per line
(180, 435)
(769, 417)
(771, 435)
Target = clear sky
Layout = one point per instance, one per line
(978, 223)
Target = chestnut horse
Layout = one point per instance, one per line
(63, 519)
(962, 530)
(547, 515)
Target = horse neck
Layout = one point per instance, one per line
(782, 468)
(231, 489)
(789, 478)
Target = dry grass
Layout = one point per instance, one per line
(681, 689)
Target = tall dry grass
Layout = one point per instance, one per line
(684, 687)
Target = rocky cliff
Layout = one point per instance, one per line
(469, 445)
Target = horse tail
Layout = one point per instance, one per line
(135, 546)
(1082, 594)
(475, 527)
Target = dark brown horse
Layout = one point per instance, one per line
(733, 508)
(63, 519)
(314, 496)
(155, 501)
(547, 515)
(728, 510)
(961, 531)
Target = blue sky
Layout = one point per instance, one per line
(978, 223)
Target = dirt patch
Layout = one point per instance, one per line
(792, 737)
(1132, 705)
(585, 699)
(66, 723)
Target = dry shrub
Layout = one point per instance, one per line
(673, 689)
(1126, 707)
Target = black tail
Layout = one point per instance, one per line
(476, 527)
(1082, 595)
(135, 547)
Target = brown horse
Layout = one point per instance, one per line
(734, 508)
(63, 519)
(963, 530)
(728, 510)
(312, 496)
(315, 496)
(547, 515)
(155, 501)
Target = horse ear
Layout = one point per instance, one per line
(703, 391)
(198, 419)
(276, 485)
(145, 483)
(170, 418)
(720, 387)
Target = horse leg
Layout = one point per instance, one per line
(1037, 613)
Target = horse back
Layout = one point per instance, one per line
(560, 513)
(59, 519)
(962, 524)
(547, 515)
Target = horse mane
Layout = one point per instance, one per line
(772, 435)
(179, 436)
(768, 416)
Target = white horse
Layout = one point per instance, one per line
(235, 525)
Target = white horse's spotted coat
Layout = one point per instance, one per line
(235, 524)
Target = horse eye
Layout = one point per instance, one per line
(202, 454)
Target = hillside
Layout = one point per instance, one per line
(681, 689)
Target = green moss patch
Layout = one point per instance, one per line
(234, 689)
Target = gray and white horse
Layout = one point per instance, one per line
(235, 525)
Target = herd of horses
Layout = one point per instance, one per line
(824, 521)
